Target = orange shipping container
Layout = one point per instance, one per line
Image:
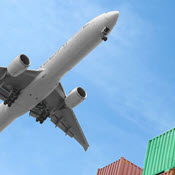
(120, 167)
(171, 172)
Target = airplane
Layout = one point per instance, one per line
(40, 92)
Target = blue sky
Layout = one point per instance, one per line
(130, 81)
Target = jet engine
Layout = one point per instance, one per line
(18, 65)
(75, 97)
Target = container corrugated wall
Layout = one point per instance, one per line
(160, 156)
(171, 172)
(120, 167)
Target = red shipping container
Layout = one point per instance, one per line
(120, 167)
(171, 172)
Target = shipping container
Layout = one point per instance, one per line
(120, 167)
(160, 155)
(171, 172)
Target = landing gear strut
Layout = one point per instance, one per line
(44, 113)
(12, 98)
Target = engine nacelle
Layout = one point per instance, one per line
(75, 97)
(18, 65)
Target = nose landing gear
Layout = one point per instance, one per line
(104, 38)
(104, 32)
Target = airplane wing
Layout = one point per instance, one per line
(62, 116)
(19, 83)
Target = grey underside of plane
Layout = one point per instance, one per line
(40, 92)
(61, 116)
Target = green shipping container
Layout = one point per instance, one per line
(160, 156)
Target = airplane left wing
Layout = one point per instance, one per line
(20, 82)
(62, 116)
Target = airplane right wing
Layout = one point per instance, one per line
(67, 122)
(62, 116)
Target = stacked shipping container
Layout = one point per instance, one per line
(160, 159)
(171, 172)
(120, 167)
(160, 156)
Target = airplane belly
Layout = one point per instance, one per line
(74, 51)
(64, 60)
(37, 91)
(8, 115)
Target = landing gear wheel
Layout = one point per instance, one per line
(41, 121)
(5, 102)
(37, 119)
(104, 38)
(9, 104)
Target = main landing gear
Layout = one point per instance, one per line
(45, 113)
(104, 33)
(12, 98)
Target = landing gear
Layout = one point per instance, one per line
(43, 116)
(104, 38)
(44, 113)
(12, 98)
(104, 32)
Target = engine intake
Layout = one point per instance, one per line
(18, 65)
(75, 97)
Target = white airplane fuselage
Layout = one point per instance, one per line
(70, 54)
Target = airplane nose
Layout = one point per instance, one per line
(112, 18)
